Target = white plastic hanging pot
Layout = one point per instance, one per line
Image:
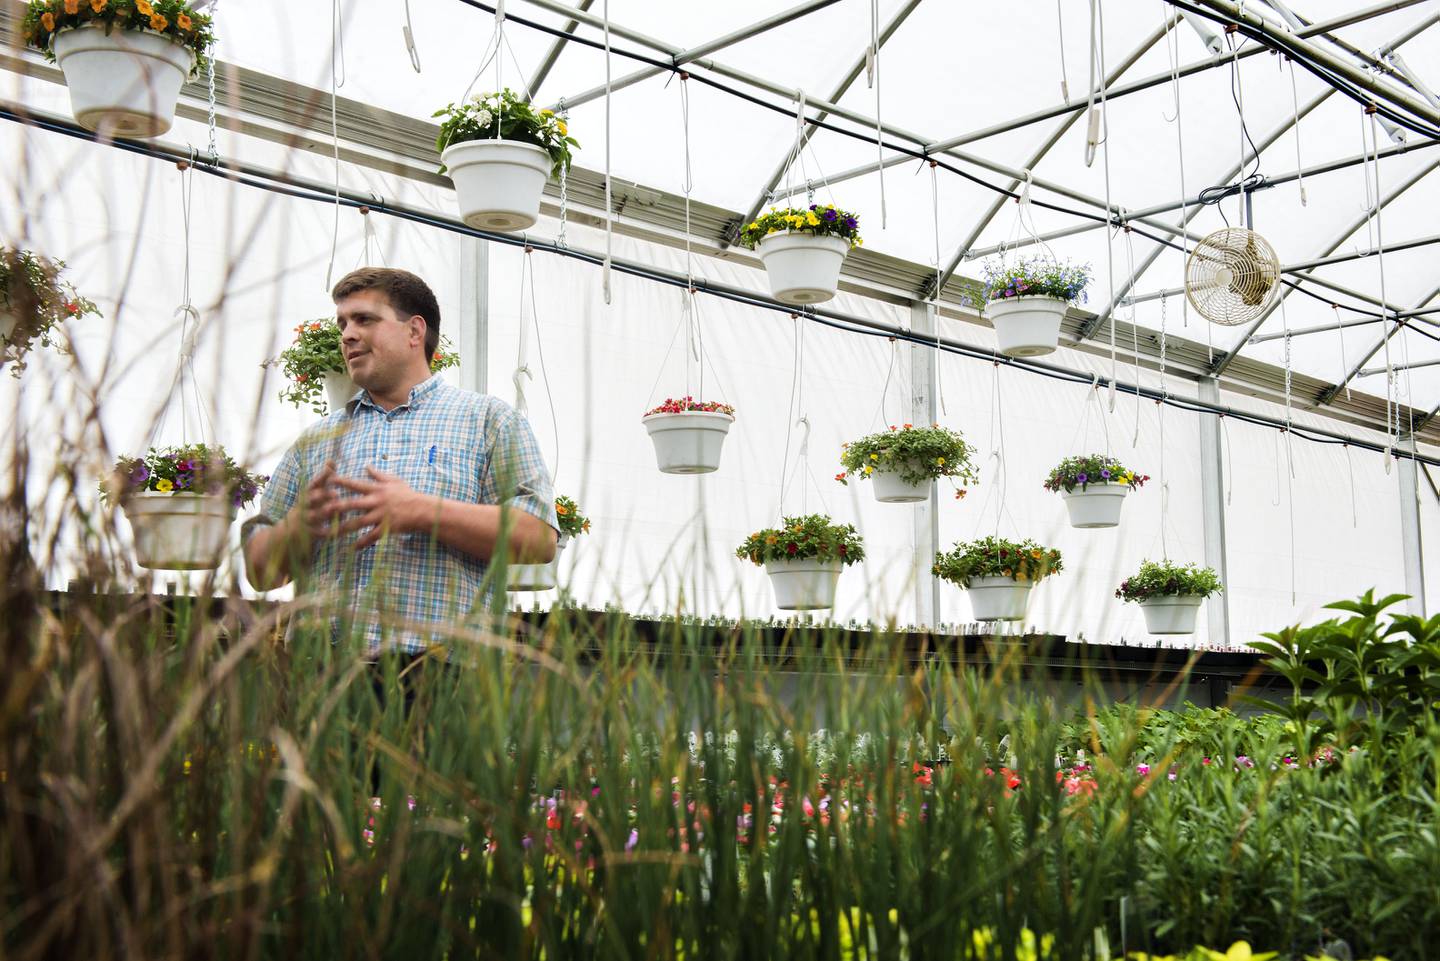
(124, 82)
(339, 388)
(179, 532)
(803, 268)
(804, 585)
(537, 577)
(1171, 613)
(1098, 505)
(688, 443)
(498, 183)
(1026, 326)
(890, 488)
(999, 598)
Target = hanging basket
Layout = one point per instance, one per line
(999, 598)
(1096, 506)
(498, 183)
(8, 323)
(890, 488)
(537, 577)
(688, 443)
(1171, 613)
(125, 82)
(803, 268)
(339, 388)
(1026, 326)
(179, 532)
(804, 585)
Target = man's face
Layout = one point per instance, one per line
(378, 347)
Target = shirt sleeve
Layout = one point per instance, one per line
(515, 473)
(281, 493)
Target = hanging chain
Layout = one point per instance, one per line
(560, 240)
(210, 88)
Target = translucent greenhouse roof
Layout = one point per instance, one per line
(945, 71)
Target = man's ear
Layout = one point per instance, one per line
(418, 332)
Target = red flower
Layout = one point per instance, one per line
(791, 548)
(72, 308)
(840, 550)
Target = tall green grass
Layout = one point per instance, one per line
(182, 784)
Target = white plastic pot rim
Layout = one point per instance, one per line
(786, 239)
(110, 41)
(489, 150)
(1028, 302)
(718, 418)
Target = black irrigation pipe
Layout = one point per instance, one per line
(1111, 220)
(298, 188)
(1284, 45)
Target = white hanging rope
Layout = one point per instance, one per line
(1344, 366)
(1295, 104)
(873, 78)
(1172, 51)
(609, 217)
(1373, 164)
(1289, 450)
(187, 394)
(1064, 72)
(1350, 470)
(337, 80)
(1100, 134)
(409, 35)
(797, 360)
(522, 351)
(935, 297)
(1134, 330)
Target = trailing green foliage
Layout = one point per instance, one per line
(997, 557)
(917, 454)
(813, 535)
(188, 469)
(506, 116)
(1163, 579)
(567, 514)
(822, 220)
(317, 352)
(1081, 472)
(174, 19)
(1034, 277)
(34, 297)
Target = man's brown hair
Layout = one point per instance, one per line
(407, 294)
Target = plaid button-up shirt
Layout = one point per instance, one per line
(442, 441)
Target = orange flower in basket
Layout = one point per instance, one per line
(72, 6)
(183, 21)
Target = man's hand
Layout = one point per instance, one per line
(320, 508)
(386, 505)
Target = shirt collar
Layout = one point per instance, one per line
(426, 386)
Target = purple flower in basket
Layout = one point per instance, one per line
(851, 222)
(1104, 474)
(1082, 478)
(831, 215)
(139, 475)
(184, 481)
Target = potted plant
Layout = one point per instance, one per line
(900, 464)
(1026, 301)
(804, 558)
(124, 60)
(1094, 488)
(688, 434)
(499, 150)
(998, 574)
(315, 367)
(180, 502)
(34, 302)
(543, 577)
(803, 249)
(1169, 594)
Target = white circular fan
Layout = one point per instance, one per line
(1232, 276)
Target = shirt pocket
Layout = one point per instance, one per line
(448, 472)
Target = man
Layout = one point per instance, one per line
(397, 503)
